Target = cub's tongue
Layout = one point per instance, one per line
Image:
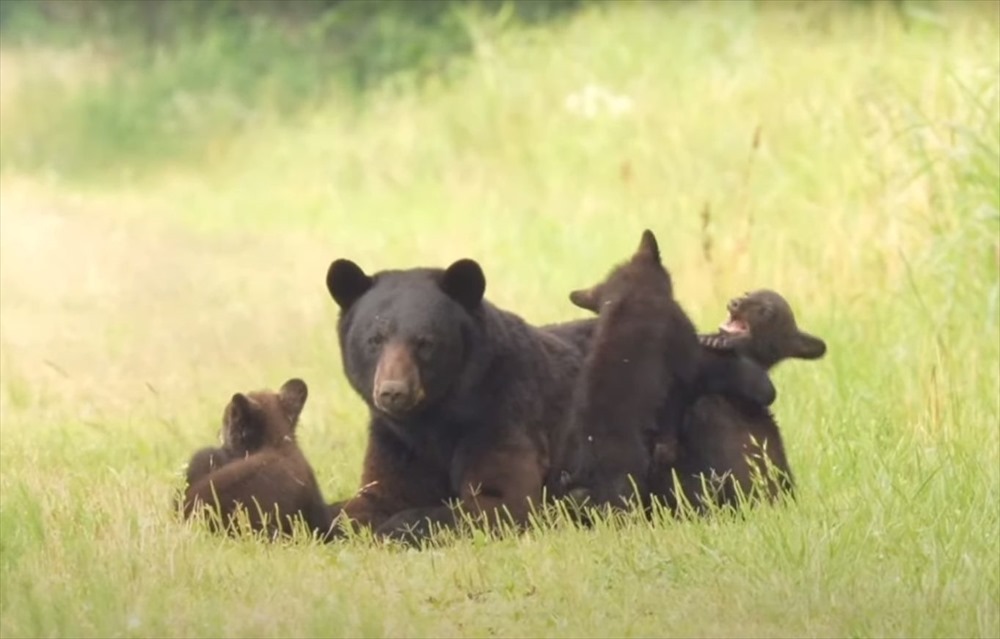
(733, 327)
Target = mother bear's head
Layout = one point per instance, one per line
(406, 336)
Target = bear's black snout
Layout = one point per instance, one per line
(394, 397)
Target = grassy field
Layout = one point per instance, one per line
(165, 230)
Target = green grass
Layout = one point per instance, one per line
(142, 287)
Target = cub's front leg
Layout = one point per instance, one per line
(205, 461)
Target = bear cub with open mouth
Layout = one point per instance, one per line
(761, 326)
(645, 366)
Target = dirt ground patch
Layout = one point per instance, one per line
(107, 310)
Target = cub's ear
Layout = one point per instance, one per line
(293, 396)
(346, 282)
(239, 409)
(464, 282)
(648, 246)
(585, 298)
(808, 347)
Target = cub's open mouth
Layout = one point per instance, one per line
(734, 326)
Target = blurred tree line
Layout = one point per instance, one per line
(183, 75)
(363, 41)
(369, 38)
(157, 18)
(173, 78)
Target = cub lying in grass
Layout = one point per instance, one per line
(259, 468)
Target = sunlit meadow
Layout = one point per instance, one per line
(166, 223)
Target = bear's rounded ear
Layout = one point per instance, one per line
(585, 298)
(239, 408)
(808, 347)
(648, 245)
(346, 282)
(293, 396)
(464, 282)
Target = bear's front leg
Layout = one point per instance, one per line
(394, 479)
(496, 485)
(413, 525)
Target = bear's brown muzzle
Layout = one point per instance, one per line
(397, 389)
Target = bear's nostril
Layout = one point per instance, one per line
(393, 396)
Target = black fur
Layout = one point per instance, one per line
(465, 399)
(644, 354)
(734, 444)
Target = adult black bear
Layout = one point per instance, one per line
(259, 467)
(732, 446)
(465, 399)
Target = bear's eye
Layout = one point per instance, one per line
(376, 339)
(422, 345)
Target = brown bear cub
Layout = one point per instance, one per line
(761, 327)
(259, 467)
(723, 437)
(644, 350)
